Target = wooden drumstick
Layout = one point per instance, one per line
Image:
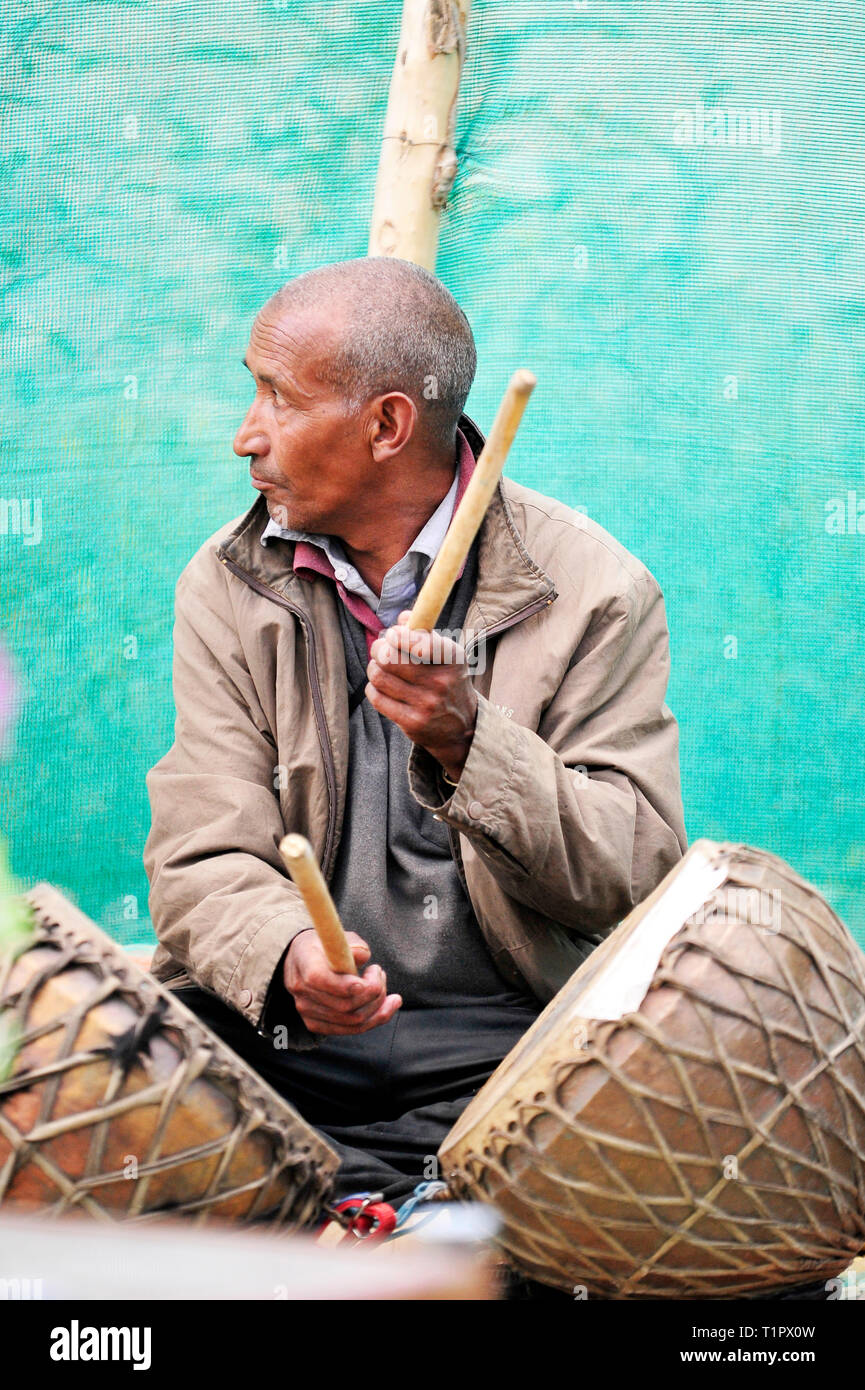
(476, 498)
(302, 864)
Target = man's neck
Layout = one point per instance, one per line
(390, 534)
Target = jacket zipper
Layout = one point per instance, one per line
(317, 701)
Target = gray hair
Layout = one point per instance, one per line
(404, 332)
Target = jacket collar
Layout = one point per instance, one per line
(509, 580)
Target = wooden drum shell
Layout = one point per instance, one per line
(121, 1103)
(709, 1142)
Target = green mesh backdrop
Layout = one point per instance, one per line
(692, 305)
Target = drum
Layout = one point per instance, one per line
(687, 1117)
(121, 1103)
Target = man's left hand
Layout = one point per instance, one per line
(421, 681)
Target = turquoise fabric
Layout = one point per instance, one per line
(693, 308)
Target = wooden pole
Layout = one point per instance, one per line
(418, 163)
(302, 864)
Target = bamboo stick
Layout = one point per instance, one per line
(302, 864)
(471, 510)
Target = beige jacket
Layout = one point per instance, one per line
(568, 811)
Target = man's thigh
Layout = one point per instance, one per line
(393, 1156)
(315, 1085)
(421, 1058)
(385, 1099)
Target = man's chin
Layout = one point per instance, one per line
(279, 513)
(289, 518)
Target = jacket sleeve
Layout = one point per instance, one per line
(221, 902)
(583, 818)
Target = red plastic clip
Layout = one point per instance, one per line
(367, 1218)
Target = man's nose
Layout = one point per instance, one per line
(250, 438)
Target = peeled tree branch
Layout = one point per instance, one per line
(418, 163)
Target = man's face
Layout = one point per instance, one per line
(307, 452)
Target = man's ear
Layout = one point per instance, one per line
(393, 419)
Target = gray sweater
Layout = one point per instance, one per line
(395, 881)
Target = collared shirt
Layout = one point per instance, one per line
(403, 580)
(321, 554)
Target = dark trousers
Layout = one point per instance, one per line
(385, 1100)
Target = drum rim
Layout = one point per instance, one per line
(93, 947)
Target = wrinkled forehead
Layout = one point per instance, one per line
(296, 336)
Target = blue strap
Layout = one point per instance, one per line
(422, 1193)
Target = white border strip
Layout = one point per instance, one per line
(623, 984)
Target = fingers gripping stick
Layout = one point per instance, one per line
(471, 510)
(302, 864)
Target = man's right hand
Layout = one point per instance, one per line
(331, 1003)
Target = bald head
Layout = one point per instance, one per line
(397, 329)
